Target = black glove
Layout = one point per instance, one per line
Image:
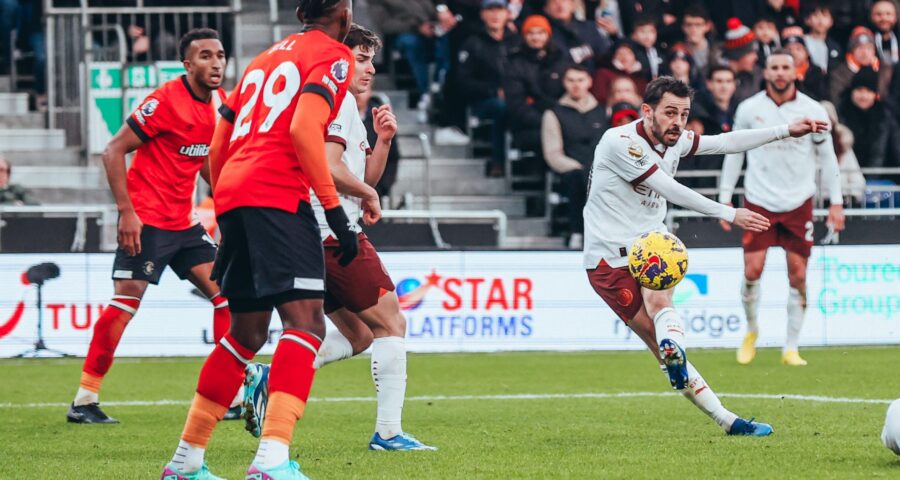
(348, 246)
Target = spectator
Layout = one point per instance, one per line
(462, 19)
(664, 14)
(781, 14)
(680, 64)
(811, 80)
(847, 16)
(860, 53)
(623, 113)
(714, 108)
(696, 26)
(766, 32)
(418, 36)
(30, 37)
(853, 184)
(623, 90)
(623, 63)
(740, 52)
(11, 193)
(722, 11)
(483, 62)
(608, 18)
(884, 23)
(643, 34)
(570, 132)
(578, 38)
(8, 15)
(874, 129)
(534, 82)
(824, 51)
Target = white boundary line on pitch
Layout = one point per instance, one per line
(513, 396)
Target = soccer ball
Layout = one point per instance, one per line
(890, 436)
(658, 260)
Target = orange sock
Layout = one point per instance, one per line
(221, 316)
(202, 419)
(290, 380)
(107, 332)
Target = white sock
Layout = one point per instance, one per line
(270, 454)
(750, 298)
(703, 397)
(335, 347)
(668, 325)
(389, 375)
(239, 398)
(796, 309)
(188, 458)
(85, 397)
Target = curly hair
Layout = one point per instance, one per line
(314, 9)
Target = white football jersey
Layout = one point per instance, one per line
(619, 207)
(347, 129)
(781, 175)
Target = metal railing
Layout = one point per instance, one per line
(106, 215)
(77, 36)
(433, 217)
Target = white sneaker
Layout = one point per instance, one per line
(422, 108)
(450, 136)
(576, 241)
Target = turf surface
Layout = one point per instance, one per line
(511, 436)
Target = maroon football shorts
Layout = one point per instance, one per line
(791, 230)
(359, 285)
(618, 289)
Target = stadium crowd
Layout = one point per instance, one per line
(523, 67)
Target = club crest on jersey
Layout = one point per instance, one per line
(195, 150)
(149, 267)
(340, 70)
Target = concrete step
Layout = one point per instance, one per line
(32, 176)
(527, 227)
(76, 196)
(446, 169)
(23, 120)
(256, 17)
(534, 242)
(65, 157)
(511, 205)
(445, 186)
(23, 139)
(411, 146)
(13, 103)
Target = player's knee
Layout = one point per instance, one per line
(250, 338)
(797, 280)
(362, 340)
(131, 288)
(753, 272)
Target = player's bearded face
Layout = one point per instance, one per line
(668, 119)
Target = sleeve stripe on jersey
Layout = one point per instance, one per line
(226, 113)
(321, 90)
(336, 139)
(137, 129)
(637, 181)
(695, 146)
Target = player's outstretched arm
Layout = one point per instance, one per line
(348, 184)
(684, 196)
(130, 225)
(385, 128)
(308, 137)
(743, 140)
(831, 180)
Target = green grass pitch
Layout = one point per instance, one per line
(550, 434)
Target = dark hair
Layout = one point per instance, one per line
(696, 10)
(663, 85)
(195, 34)
(718, 68)
(577, 68)
(810, 8)
(766, 19)
(641, 20)
(310, 10)
(360, 36)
